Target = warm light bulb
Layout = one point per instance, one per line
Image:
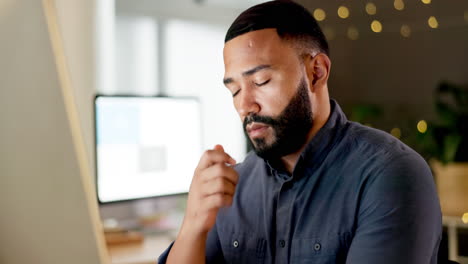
(432, 21)
(405, 31)
(465, 16)
(396, 132)
(353, 33)
(343, 12)
(376, 26)
(319, 14)
(399, 5)
(422, 126)
(465, 218)
(426, 1)
(371, 9)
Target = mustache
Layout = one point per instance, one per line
(259, 119)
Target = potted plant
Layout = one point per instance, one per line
(449, 148)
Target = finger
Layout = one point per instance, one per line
(216, 201)
(218, 186)
(219, 147)
(220, 170)
(213, 156)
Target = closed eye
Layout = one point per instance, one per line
(234, 94)
(263, 83)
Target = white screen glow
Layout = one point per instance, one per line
(146, 146)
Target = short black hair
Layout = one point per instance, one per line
(291, 20)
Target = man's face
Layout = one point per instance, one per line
(270, 92)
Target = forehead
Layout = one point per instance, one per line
(260, 47)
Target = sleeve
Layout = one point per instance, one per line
(214, 253)
(163, 257)
(399, 217)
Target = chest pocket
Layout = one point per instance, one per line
(324, 250)
(243, 248)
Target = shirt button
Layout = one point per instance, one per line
(317, 246)
(282, 243)
(235, 243)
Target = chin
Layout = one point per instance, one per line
(261, 145)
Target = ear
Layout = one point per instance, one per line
(317, 70)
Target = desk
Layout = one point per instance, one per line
(146, 252)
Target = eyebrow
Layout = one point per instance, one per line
(248, 72)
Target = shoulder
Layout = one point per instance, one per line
(396, 182)
(379, 146)
(385, 164)
(393, 171)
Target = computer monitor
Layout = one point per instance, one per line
(145, 146)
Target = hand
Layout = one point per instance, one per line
(213, 186)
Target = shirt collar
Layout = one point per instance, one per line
(321, 144)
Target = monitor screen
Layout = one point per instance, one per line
(145, 146)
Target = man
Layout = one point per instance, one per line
(317, 188)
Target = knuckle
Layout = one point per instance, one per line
(218, 200)
(218, 168)
(221, 168)
(206, 155)
(232, 175)
(219, 185)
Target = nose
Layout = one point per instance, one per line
(247, 103)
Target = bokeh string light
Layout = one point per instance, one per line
(399, 5)
(343, 12)
(404, 29)
(376, 26)
(319, 14)
(422, 126)
(371, 9)
(396, 132)
(432, 22)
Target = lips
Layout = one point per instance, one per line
(256, 129)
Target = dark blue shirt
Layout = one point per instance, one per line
(357, 195)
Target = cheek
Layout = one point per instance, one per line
(236, 103)
(275, 98)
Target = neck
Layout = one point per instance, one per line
(290, 161)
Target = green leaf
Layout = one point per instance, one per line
(447, 115)
(451, 143)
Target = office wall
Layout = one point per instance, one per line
(400, 74)
(49, 213)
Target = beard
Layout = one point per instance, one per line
(290, 127)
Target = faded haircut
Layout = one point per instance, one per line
(292, 22)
